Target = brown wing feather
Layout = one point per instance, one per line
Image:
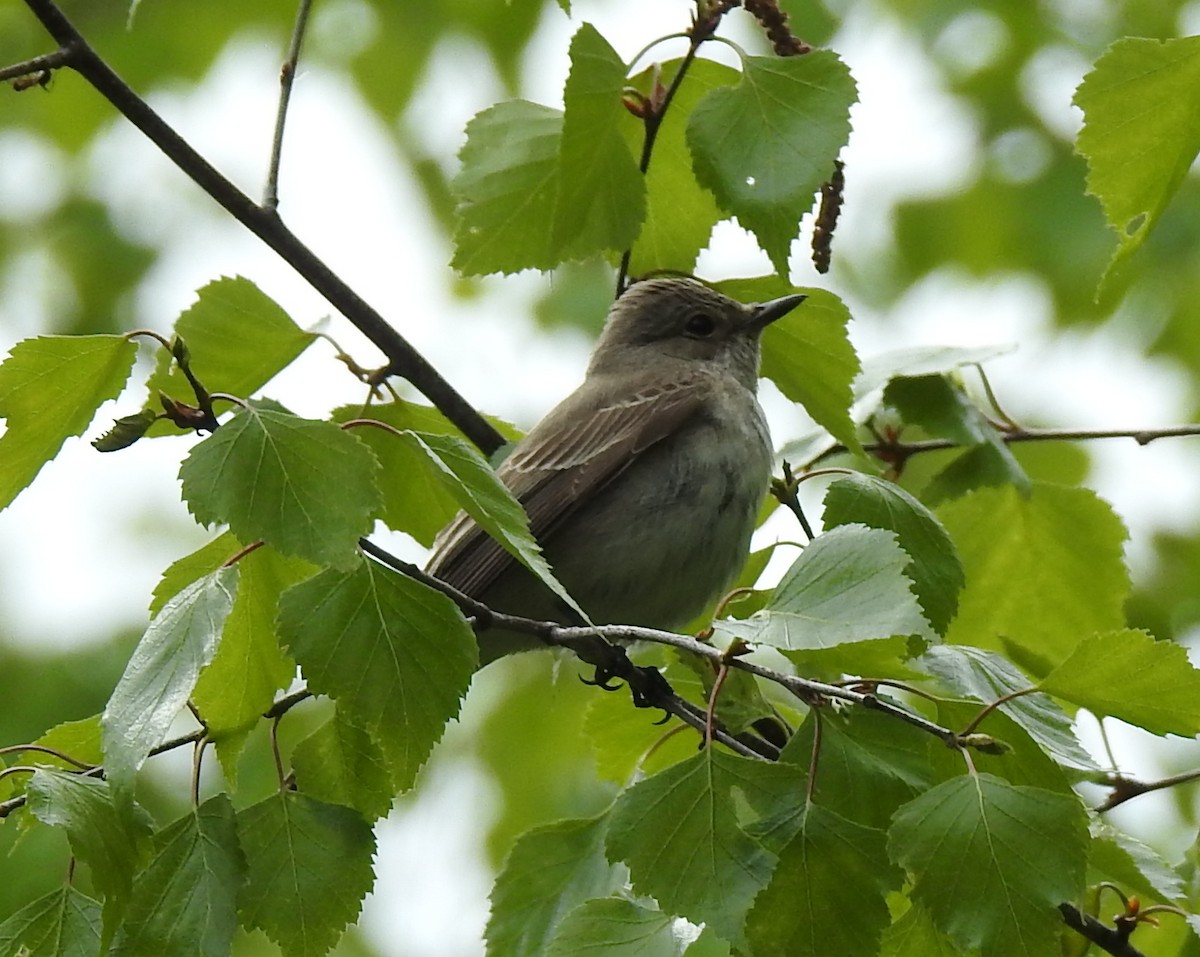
(566, 459)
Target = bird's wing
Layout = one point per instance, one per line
(568, 457)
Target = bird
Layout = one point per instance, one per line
(642, 486)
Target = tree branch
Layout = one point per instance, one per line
(287, 76)
(265, 223)
(593, 643)
(902, 450)
(1126, 789)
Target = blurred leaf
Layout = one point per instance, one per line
(935, 570)
(919, 361)
(305, 487)
(105, 837)
(340, 763)
(915, 935)
(1133, 866)
(76, 739)
(832, 867)
(965, 844)
(680, 213)
(1128, 675)
(64, 923)
(614, 927)
(1043, 571)
(987, 677)
(50, 389)
(308, 867)
(1140, 134)
(415, 499)
(237, 339)
(162, 673)
(549, 871)
(626, 744)
(699, 863)
(990, 465)
(239, 684)
(848, 585)
(185, 901)
(396, 655)
(765, 146)
(601, 194)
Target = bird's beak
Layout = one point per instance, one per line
(766, 313)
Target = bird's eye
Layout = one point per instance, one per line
(700, 325)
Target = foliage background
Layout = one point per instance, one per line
(966, 222)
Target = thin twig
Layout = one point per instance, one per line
(265, 223)
(194, 737)
(902, 450)
(992, 706)
(1126, 789)
(653, 121)
(287, 76)
(38, 64)
(583, 639)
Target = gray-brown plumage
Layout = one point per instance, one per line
(643, 485)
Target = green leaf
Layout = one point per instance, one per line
(679, 833)
(980, 466)
(308, 867)
(625, 744)
(765, 146)
(80, 740)
(601, 194)
(1043, 571)
(991, 862)
(506, 189)
(869, 765)
(64, 923)
(1021, 760)
(192, 567)
(614, 927)
(915, 935)
(831, 868)
(239, 684)
(105, 837)
(50, 389)
(550, 870)
(935, 571)
(185, 901)
(340, 763)
(415, 498)
(944, 410)
(469, 478)
(880, 369)
(162, 673)
(807, 353)
(395, 654)
(680, 213)
(237, 339)
(1140, 132)
(308, 488)
(1128, 675)
(987, 676)
(848, 585)
(1133, 866)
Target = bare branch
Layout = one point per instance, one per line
(287, 76)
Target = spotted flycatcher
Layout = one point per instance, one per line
(643, 485)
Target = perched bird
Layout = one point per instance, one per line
(643, 485)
